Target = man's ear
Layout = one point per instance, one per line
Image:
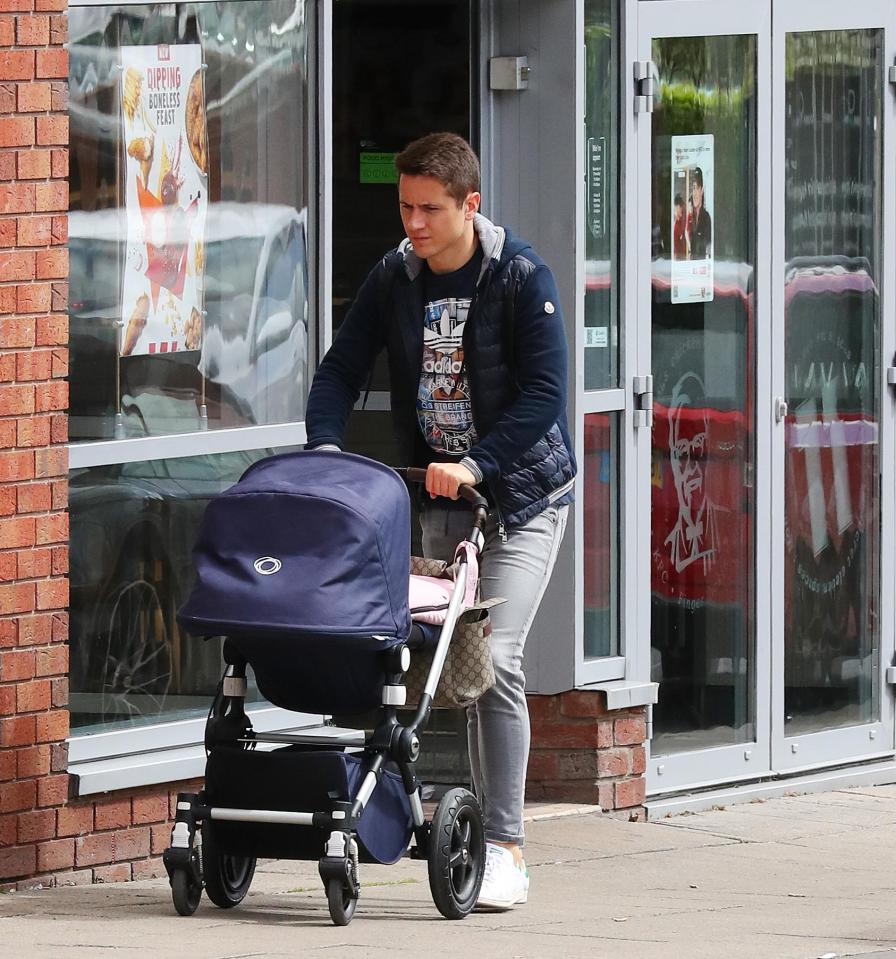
(471, 205)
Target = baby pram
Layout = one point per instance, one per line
(303, 567)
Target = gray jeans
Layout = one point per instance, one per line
(498, 724)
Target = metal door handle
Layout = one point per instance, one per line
(780, 408)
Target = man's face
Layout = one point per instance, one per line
(698, 195)
(434, 221)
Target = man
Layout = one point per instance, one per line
(470, 320)
(701, 222)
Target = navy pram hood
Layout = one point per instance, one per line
(311, 543)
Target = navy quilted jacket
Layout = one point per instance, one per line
(516, 358)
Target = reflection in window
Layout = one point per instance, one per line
(832, 360)
(133, 526)
(249, 261)
(601, 540)
(703, 445)
(602, 152)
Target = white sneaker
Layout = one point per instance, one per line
(505, 884)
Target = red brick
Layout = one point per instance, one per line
(59, 757)
(564, 735)
(59, 565)
(639, 761)
(33, 97)
(17, 731)
(17, 265)
(52, 130)
(51, 396)
(16, 466)
(60, 627)
(60, 235)
(47, 197)
(542, 707)
(59, 428)
(17, 598)
(613, 762)
(161, 838)
(7, 708)
(53, 330)
(605, 795)
(7, 32)
(33, 31)
(37, 825)
(59, 695)
(629, 732)
(33, 164)
(120, 872)
(581, 764)
(9, 827)
(17, 861)
(33, 761)
(33, 697)
(16, 532)
(112, 814)
(35, 630)
(52, 727)
(7, 437)
(19, 795)
(74, 820)
(60, 357)
(50, 5)
(630, 792)
(7, 301)
(59, 163)
(16, 131)
(9, 633)
(17, 665)
(51, 529)
(59, 96)
(542, 765)
(583, 703)
(51, 462)
(8, 231)
(58, 30)
(33, 563)
(16, 64)
(35, 497)
(18, 197)
(35, 231)
(34, 431)
(9, 567)
(49, 264)
(59, 854)
(33, 298)
(149, 809)
(52, 593)
(148, 868)
(52, 661)
(51, 63)
(16, 333)
(7, 98)
(52, 790)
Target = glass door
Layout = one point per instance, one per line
(704, 164)
(833, 615)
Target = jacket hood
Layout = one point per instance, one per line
(499, 246)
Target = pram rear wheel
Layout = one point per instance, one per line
(341, 902)
(227, 878)
(185, 892)
(456, 853)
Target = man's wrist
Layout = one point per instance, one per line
(470, 464)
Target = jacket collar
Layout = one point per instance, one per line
(491, 239)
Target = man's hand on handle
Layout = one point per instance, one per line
(443, 479)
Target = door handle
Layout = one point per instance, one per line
(780, 408)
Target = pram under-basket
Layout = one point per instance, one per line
(298, 779)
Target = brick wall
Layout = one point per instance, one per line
(581, 752)
(33, 429)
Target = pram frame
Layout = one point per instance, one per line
(390, 740)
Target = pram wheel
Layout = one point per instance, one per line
(185, 892)
(227, 878)
(456, 853)
(341, 902)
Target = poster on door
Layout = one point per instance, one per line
(166, 198)
(692, 212)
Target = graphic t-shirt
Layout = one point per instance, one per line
(444, 408)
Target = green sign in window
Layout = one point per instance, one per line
(378, 168)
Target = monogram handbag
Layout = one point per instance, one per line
(469, 670)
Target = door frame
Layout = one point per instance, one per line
(676, 18)
(869, 740)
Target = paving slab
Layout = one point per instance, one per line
(798, 877)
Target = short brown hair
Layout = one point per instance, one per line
(445, 156)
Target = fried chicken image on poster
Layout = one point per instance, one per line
(443, 399)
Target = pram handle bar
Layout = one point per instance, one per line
(414, 474)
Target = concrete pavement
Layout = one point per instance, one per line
(791, 878)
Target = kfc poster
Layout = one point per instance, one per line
(692, 213)
(166, 196)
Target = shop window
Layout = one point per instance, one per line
(188, 225)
